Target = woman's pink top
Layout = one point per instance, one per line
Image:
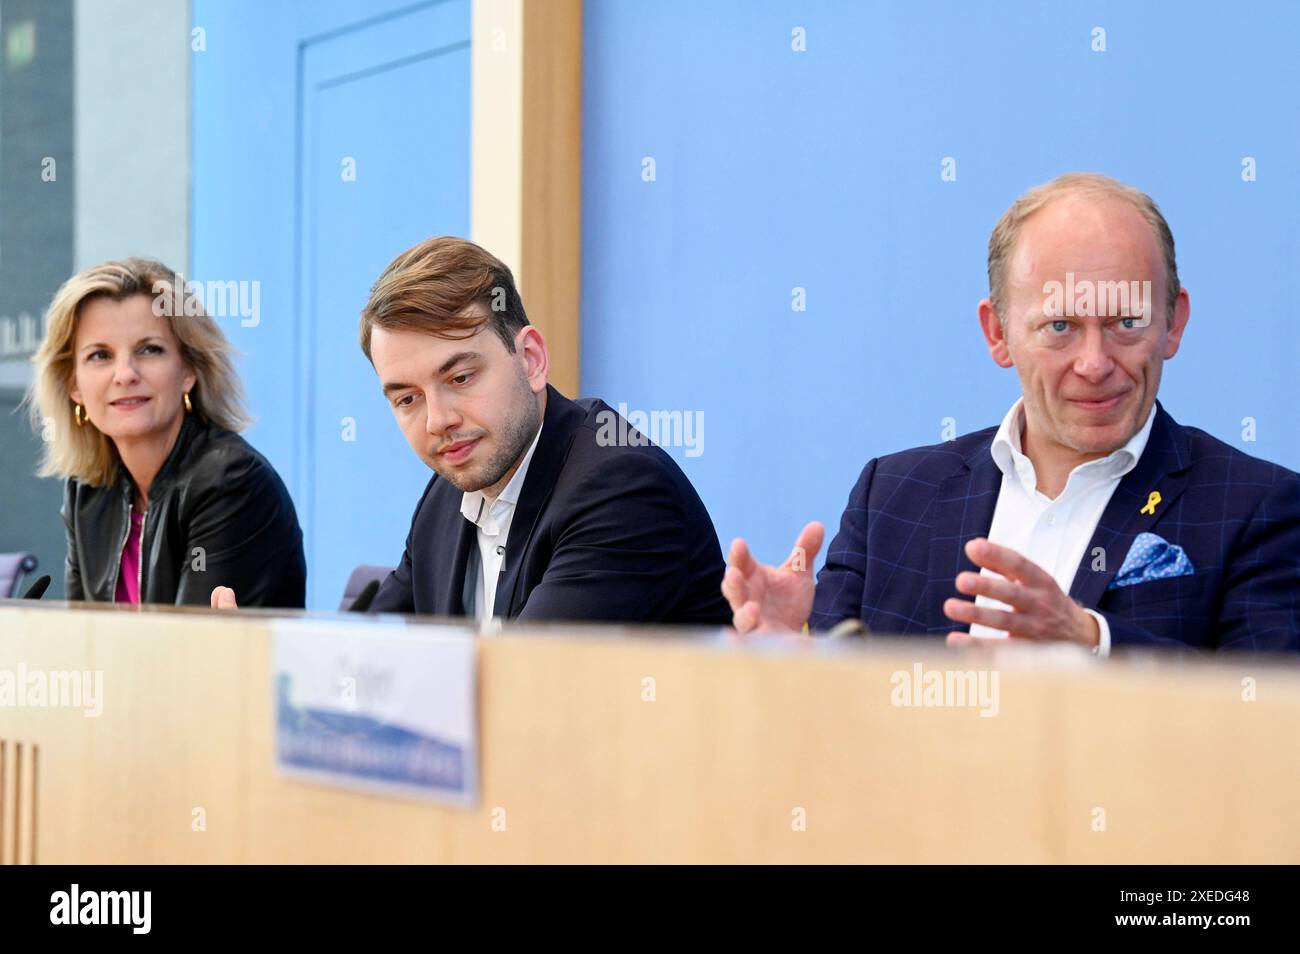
(128, 580)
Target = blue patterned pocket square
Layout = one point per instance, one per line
(1151, 557)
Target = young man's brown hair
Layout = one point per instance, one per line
(432, 288)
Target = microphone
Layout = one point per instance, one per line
(37, 589)
(849, 627)
(365, 597)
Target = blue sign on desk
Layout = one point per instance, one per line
(390, 711)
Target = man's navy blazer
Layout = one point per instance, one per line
(902, 541)
(600, 532)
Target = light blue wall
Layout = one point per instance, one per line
(284, 93)
(821, 169)
(818, 169)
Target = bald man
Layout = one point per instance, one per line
(1089, 515)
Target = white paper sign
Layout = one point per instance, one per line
(383, 710)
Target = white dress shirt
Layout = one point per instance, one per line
(493, 518)
(1053, 533)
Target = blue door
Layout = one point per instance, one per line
(380, 160)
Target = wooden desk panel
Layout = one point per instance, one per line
(741, 740)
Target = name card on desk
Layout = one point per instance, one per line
(386, 711)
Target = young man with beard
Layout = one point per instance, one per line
(532, 512)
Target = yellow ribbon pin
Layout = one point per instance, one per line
(1151, 503)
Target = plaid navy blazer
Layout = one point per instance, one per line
(901, 543)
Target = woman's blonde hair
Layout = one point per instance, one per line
(85, 452)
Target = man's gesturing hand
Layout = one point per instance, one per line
(772, 597)
(1041, 610)
(223, 597)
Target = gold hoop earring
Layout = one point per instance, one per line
(76, 412)
(188, 405)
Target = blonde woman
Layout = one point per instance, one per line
(140, 410)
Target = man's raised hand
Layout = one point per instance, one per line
(766, 597)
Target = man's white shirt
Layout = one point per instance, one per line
(493, 522)
(1053, 533)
